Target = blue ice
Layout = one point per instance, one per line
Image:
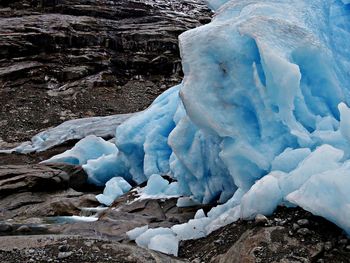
(114, 188)
(260, 119)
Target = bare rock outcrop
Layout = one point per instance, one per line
(66, 59)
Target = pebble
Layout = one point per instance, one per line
(347, 248)
(62, 255)
(303, 222)
(295, 226)
(304, 231)
(343, 241)
(257, 249)
(89, 243)
(63, 248)
(24, 228)
(282, 223)
(328, 246)
(95, 248)
(261, 219)
(219, 242)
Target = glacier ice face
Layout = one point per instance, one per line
(260, 119)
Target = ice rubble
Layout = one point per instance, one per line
(260, 119)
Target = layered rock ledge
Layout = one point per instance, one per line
(65, 59)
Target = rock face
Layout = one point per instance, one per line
(15, 179)
(63, 59)
(21, 178)
(30, 191)
(23, 207)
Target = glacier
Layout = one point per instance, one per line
(71, 130)
(260, 119)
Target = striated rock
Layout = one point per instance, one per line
(34, 178)
(15, 179)
(67, 59)
(40, 204)
(32, 191)
(78, 179)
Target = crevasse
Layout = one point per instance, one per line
(261, 118)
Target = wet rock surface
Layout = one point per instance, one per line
(38, 191)
(114, 222)
(66, 59)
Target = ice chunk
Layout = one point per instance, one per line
(195, 228)
(136, 232)
(156, 185)
(173, 189)
(115, 187)
(324, 158)
(102, 169)
(89, 148)
(144, 239)
(263, 198)
(289, 159)
(327, 194)
(199, 214)
(168, 244)
(186, 202)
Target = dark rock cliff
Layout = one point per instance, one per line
(65, 59)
